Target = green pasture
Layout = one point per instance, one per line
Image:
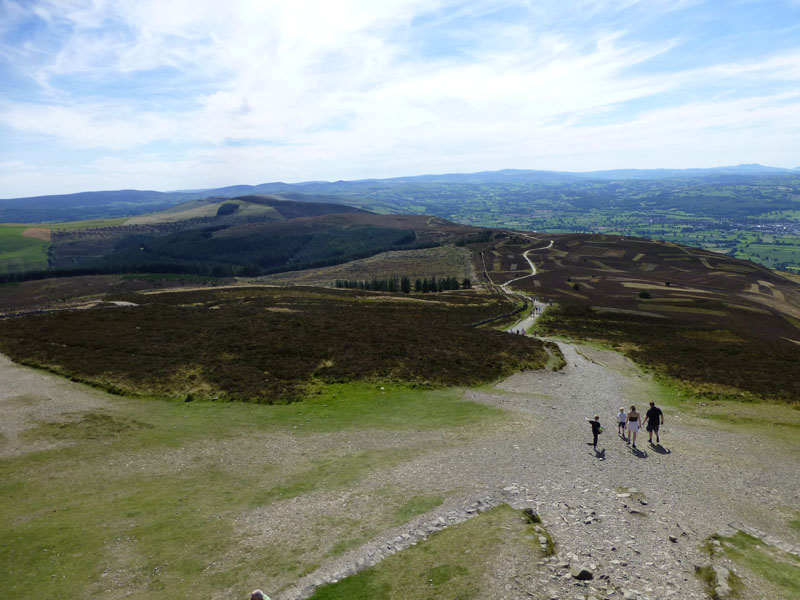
(18, 253)
(146, 497)
(769, 420)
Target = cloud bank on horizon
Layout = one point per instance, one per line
(105, 94)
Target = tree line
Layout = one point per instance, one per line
(403, 284)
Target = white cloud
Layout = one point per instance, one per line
(94, 126)
(363, 88)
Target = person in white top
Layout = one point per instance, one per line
(622, 418)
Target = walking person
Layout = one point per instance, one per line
(258, 595)
(633, 424)
(596, 429)
(654, 419)
(622, 419)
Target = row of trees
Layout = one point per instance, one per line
(403, 284)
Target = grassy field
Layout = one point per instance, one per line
(152, 498)
(21, 253)
(778, 422)
(271, 344)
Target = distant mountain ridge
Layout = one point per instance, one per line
(503, 175)
(366, 193)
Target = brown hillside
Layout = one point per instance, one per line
(702, 317)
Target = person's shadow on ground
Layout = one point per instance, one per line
(639, 453)
(660, 449)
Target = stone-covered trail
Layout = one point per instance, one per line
(636, 519)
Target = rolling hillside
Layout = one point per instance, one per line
(243, 236)
(719, 324)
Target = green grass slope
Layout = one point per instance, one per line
(21, 253)
(152, 499)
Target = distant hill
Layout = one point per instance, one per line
(369, 193)
(247, 235)
(255, 206)
(750, 211)
(122, 203)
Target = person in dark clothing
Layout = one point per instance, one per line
(596, 429)
(633, 424)
(654, 419)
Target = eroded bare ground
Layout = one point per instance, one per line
(28, 397)
(614, 510)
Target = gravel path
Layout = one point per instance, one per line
(637, 519)
(612, 511)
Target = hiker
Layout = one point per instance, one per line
(622, 418)
(596, 429)
(633, 424)
(258, 595)
(654, 419)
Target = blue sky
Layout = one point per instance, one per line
(148, 94)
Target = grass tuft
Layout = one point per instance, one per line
(777, 570)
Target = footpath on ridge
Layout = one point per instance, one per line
(636, 519)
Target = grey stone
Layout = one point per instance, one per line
(721, 587)
(581, 572)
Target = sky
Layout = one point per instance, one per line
(188, 94)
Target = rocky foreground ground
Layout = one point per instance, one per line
(626, 524)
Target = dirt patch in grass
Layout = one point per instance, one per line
(86, 425)
(37, 233)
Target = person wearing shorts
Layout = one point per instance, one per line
(633, 424)
(622, 418)
(654, 419)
